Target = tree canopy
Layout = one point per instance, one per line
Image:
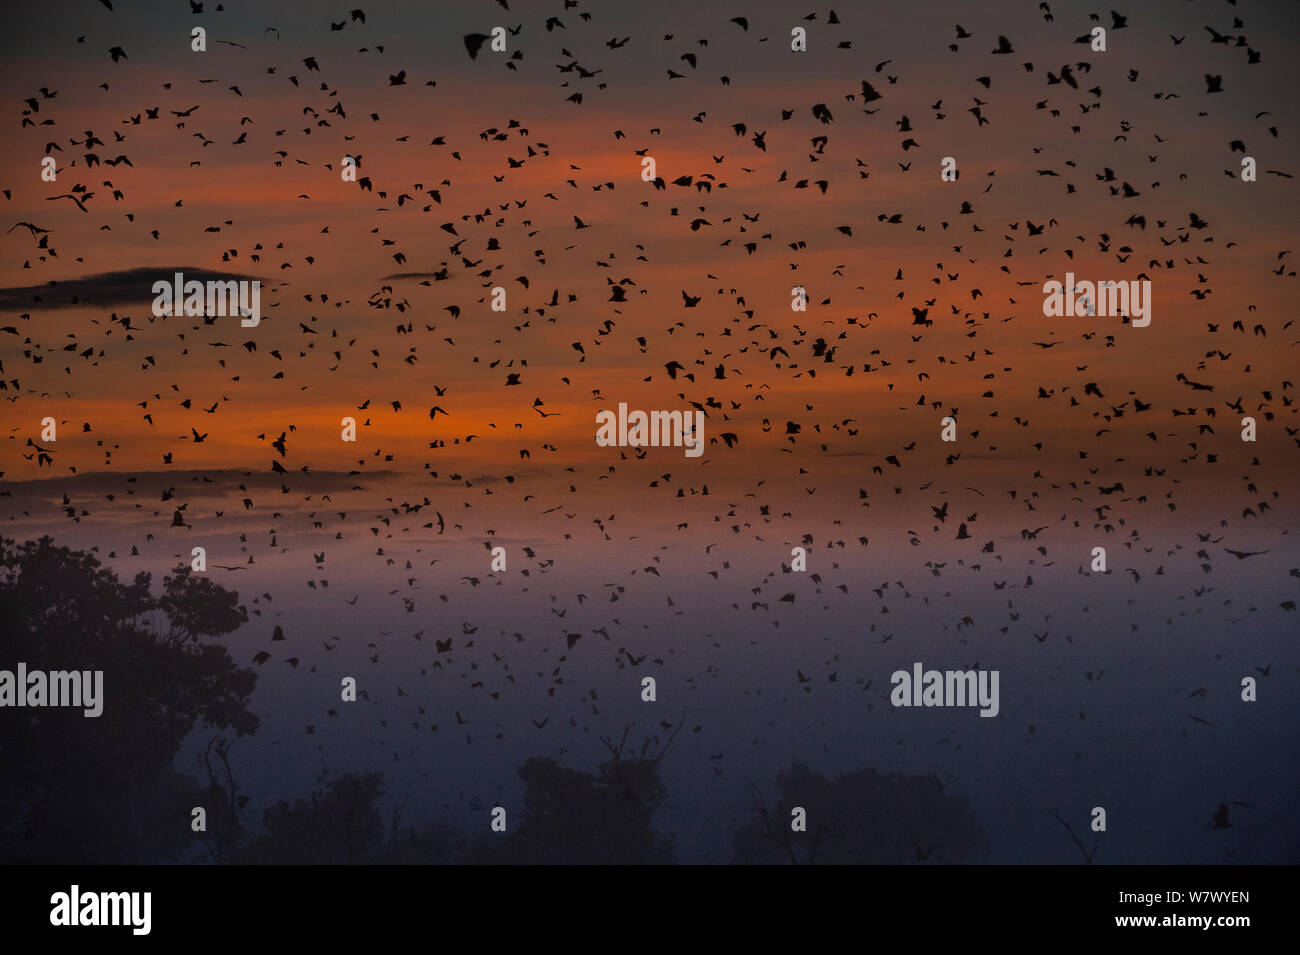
(83, 789)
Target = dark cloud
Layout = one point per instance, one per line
(123, 287)
(186, 483)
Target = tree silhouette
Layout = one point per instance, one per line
(337, 825)
(860, 817)
(434, 843)
(606, 817)
(568, 816)
(92, 790)
(224, 834)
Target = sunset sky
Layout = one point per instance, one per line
(481, 172)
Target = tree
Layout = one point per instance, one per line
(433, 843)
(225, 831)
(863, 817)
(96, 790)
(337, 825)
(606, 817)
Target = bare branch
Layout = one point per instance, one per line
(1087, 856)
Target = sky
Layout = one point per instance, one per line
(778, 170)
